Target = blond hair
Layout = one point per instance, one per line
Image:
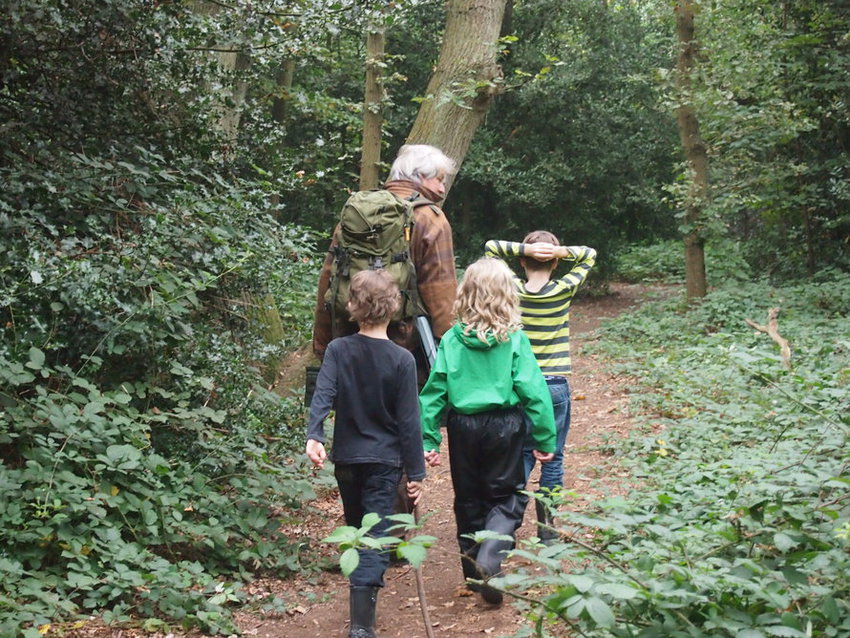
(373, 297)
(487, 302)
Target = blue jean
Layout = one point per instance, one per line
(552, 473)
(364, 488)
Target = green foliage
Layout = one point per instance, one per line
(664, 262)
(351, 540)
(148, 293)
(737, 526)
(770, 94)
(143, 456)
(657, 262)
(577, 145)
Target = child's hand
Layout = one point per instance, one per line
(316, 453)
(543, 457)
(542, 251)
(414, 491)
(432, 458)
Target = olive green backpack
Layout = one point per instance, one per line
(374, 231)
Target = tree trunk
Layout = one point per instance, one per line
(696, 156)
(231, 110)
(283, 81)
(370, 154)
(232, 61)
(466, 78)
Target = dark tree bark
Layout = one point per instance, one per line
(370, 157)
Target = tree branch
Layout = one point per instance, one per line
(772, 330)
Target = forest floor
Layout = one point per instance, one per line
(317, 602)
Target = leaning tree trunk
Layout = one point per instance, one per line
(696, 156)
(466, 78)
(370, 156)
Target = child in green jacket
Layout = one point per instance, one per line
(486, 376)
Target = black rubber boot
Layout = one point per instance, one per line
(362, 601)
(545, 521)
(490, 555)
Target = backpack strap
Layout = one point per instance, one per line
(416, 200)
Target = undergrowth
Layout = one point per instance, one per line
(740, 524)
(144, 458)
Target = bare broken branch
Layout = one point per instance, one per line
(772, 330)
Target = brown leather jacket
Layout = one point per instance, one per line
(432, 252)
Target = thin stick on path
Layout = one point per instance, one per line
(420, 588)
(772, 330)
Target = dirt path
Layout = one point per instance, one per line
(318, 605)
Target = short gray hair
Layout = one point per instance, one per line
(416, 162)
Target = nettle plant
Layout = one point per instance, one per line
(145, 462)
(738, 521)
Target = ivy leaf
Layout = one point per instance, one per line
(783, 542)
(415, 554)
(786, 632)
(343, 534)
(618, 591)
(582, 583)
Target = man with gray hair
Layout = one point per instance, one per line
(421, 169)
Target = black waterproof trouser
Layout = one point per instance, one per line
(365, 488)
(485, 452)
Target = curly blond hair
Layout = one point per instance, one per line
(373, 297)
(487, 302)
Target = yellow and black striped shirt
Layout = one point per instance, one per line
(546, 313)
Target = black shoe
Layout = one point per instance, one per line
(491, 594)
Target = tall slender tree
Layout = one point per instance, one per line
(370, 157)
(696, 157)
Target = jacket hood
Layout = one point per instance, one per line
(471, 340)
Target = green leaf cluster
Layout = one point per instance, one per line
(143, 455)
(770, 90)
(577, 144)
(353, 540)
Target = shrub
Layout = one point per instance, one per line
(144, 457)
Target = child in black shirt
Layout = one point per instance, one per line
(371, 384)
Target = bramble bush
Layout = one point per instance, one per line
(738, 523)
(145, 460)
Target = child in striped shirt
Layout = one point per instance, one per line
(545, 306)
